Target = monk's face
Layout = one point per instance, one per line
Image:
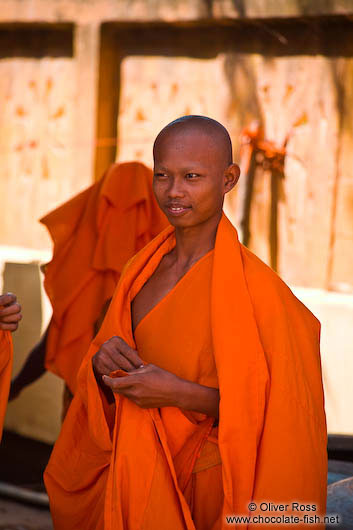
(191, 177)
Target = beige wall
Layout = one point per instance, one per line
(37, 145)
(91, 11)
(335, 312)
(172, 87)
(47, 97)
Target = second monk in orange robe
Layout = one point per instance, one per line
(94, 235)
(214, 398)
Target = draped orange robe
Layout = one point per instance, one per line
(176, 336)
(118, 472)
(94, 235)
(6, 355)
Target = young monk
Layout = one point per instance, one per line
(202, 392)
(10, 315)
(94, 235)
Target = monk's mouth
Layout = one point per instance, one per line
(178, 210)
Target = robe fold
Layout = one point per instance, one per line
(94, 235)
(131, 469)
(6, 357)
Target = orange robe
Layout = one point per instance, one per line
(176, 336)
(94, 235)
(6, 355)
(123, 472)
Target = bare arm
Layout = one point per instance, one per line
(198, 398)
(32, 369)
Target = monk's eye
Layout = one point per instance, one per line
(191, 176)
(160, 176)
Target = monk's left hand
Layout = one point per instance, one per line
(10, 312)
(148, 387)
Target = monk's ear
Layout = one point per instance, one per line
(231, 177)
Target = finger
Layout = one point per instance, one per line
(9, 319)
(118, 360)
(104, 365)
(8, 327)
(10, 309)
(124, 363)
(118, 384)
(105, 368)
(129, 353)
(7, 298)
(141, 369)
(128, 360)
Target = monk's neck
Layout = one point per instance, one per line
(194, 242)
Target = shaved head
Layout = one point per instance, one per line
(218, 135)
(193, 170)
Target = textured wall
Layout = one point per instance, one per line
(172, 87)
(37, 144)
(41, 150)
(91, 11)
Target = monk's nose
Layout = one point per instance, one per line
(176, 188)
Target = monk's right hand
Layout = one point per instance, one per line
(10, 312)
(115, 354)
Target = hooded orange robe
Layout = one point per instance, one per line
(6, 356)
(94, 235)
(122, 471)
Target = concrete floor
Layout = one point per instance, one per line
(15, 516)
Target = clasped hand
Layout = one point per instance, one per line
(146, 385)
(10, 312)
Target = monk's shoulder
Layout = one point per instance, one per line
(269, 293)
(260, 278)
